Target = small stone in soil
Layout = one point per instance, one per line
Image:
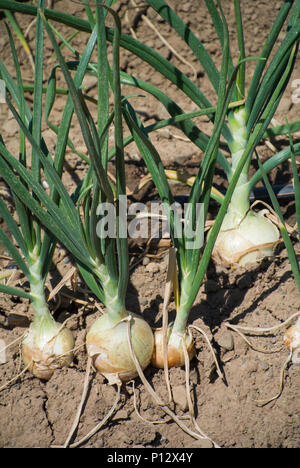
(146, 261)
(225, 340)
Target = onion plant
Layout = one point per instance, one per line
(48, 344)
(77, 221)
(245, 234)
(192, 262)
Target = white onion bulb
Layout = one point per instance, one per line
(108, 347)
(46, 347)
(236, 238)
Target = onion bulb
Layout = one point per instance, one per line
(176, 356)
(237, 237)
(292, 341)
(47, 346)
(107, 345)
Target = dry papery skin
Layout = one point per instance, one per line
(254, 238)
(55, 354)
(175, 353)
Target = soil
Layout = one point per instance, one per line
(36, 413)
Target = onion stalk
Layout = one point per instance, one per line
(243, 229)
(246, 235)
(106, 340)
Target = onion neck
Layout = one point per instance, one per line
(42, 317)
(182, 314)
(240, 204)
(114, 304)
